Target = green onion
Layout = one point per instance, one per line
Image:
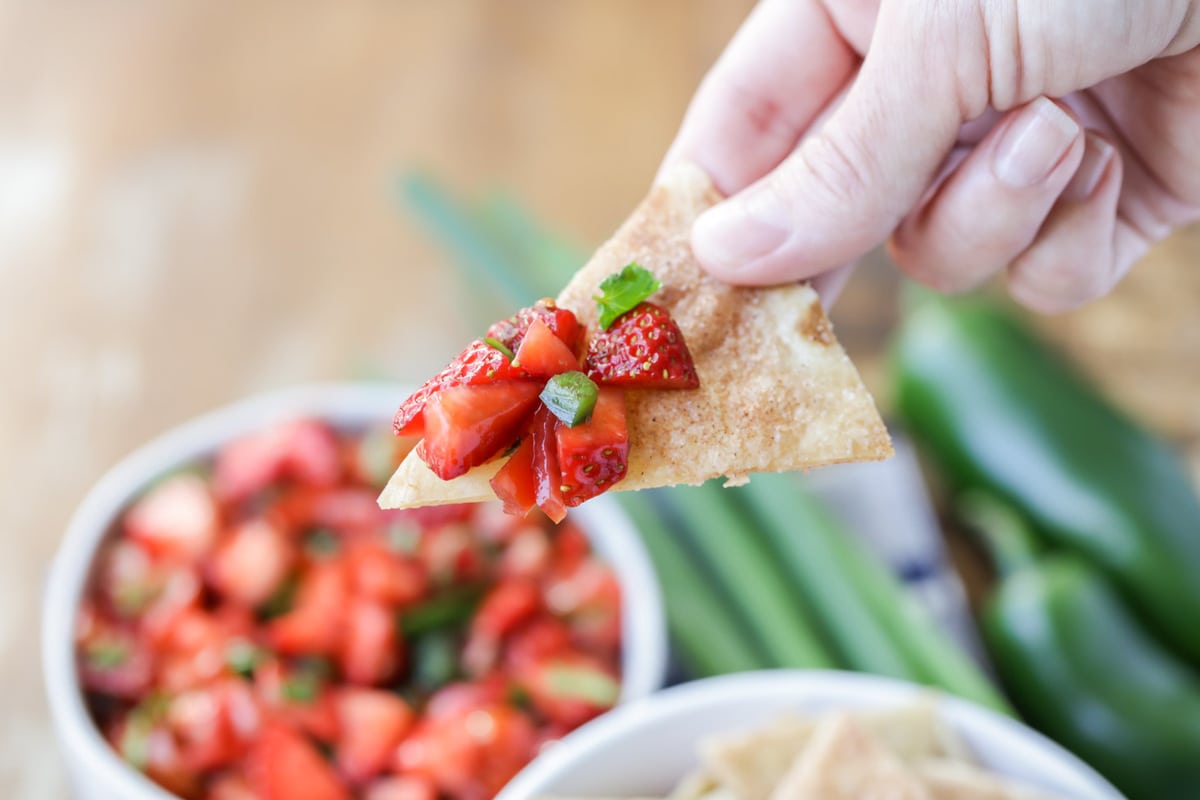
(582, 683)
(281, 600)
(451, 609)
(571, 397)
(243, 657)
(106, 654)
(435, 659)
(496, 344)
(300, 687)
(322, 542)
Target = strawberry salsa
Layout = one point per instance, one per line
(541, 391)
(257, 627)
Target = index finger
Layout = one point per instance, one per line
(779, 71)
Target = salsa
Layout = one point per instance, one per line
(547, 396)
(257, 627)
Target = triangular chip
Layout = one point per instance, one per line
(844, 761)
(777, 392)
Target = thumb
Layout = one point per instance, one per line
(848, 184)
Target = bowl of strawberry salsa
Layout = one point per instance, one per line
(232, 616)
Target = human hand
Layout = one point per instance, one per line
(838, 124)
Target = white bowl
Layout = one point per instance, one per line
(99, 773)
(642, 749)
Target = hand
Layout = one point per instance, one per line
(838, 124)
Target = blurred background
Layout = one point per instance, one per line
(195, 206)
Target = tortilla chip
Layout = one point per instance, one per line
(697, 785)
(777, 392)
(844, 761)
(953, 780)
(750, 764)
(915, 732)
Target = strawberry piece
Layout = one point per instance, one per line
(283, 765)
(515, 482)
(561, 321)
(593, 456)
(177, 519)
(315, 625)
(643, 348)
(401, 787)
(478, 365)
(467, 425)
(547, 480)
(571, 688)
(371, 723)
(370, 649)
(250, 562)
(381, 574)
(543, 354)
(303, 450)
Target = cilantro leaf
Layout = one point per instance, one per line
(622, 291)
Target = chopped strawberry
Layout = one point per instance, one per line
(142, 739)
(381, 574)
(372, 722)
(572, 688)
(643, 348)
(347, 511)
(283, 765)
(467, 425)
(231, 786)
(594, 455)
(369, 649)
(176, 519)
(503, 609)
(450, 554)
(535, 641)
(304, 451)
(193, 650)
(561, 321)
(401, 787)
(298, 696)
(546, 475)
(479, 364)
(515, 483)
(250, 562)
(203, 730)
(527, 554)
(471, 753)
(314, 625)
(111, 657)
(543, 354)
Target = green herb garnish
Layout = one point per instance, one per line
(106, 654)
(622, 292)
(571, 397)
(243, 657)
(322, 542)
(403, 538)
(301, 687)
(281, 600)
(451, 609)
(496, 344)
(582, 683)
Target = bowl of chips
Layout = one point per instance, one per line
(791, 734)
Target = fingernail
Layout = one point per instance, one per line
(1033, 144)
(734, 233)
(1097, 155)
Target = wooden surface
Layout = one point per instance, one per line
(195, 206)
